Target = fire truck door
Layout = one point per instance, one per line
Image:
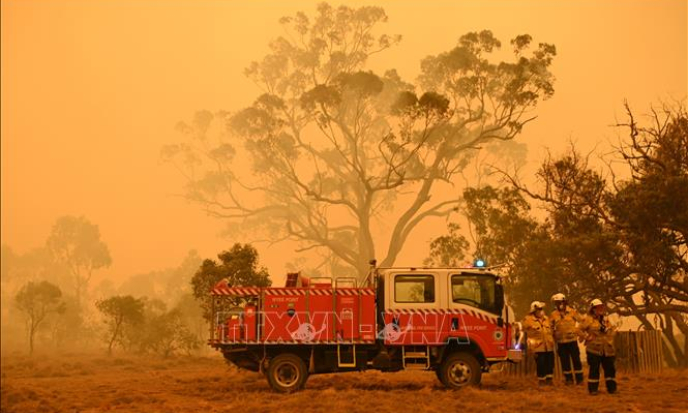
(413, 314)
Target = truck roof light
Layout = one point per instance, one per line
(479, 263)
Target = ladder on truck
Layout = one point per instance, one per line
(415, 357)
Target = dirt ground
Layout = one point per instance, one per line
(78, 383)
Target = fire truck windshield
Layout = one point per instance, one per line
(474, 289)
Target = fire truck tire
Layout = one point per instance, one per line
(459, 370)
(287, 373)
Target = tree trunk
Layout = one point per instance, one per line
(366, 245)
(77, 292)
(685, 350)
(114, 336)
(681, 354)
(401, 229)
(32, 330)
(675, 347)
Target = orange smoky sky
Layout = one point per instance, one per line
(91, 90)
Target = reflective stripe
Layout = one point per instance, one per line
(593, 380)
(579, 371)
(549, 376)
(541, 378)
(610, 379)
(568, 372)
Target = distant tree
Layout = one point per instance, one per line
(17, 269)
(177, 280)
(192, 316)
(37, 301)
(161, 331)
(35, 264)
(76, 242)
(69, 328)
(167, 284)
(339, 153)
(120, 312)
(166, 334)
(149, 284)
(7, 260)
(238, 265)
(105, 288)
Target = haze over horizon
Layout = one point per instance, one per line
(91, 91)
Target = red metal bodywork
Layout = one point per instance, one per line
(319, 315)
(301, 315)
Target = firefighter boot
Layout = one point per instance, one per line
(611, 385)
(549, 381)
(592, 386)
(579, 377)
(568, 378)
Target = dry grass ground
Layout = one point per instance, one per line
(77, 383)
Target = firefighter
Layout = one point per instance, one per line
(565, 321)
(540, 341)
(599, 347)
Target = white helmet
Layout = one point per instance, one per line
(596, 302)
(558, 297)
(536, 305)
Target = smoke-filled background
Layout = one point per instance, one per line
(140, 139)
(151, 149)
(91, 91)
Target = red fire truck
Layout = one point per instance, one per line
(449, 320)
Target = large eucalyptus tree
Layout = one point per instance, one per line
(332, 155)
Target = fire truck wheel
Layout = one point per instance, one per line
(459, 370)
(287, 373)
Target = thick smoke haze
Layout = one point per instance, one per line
(91, 91)
(191, 188)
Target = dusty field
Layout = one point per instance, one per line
(74, 383)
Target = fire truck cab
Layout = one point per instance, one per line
(452, 321)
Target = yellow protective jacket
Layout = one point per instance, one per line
(539, 333)
(565, 325)
(597, 341)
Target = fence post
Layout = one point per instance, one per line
(653, 353)
(658, 347)
(661, 348)
(641, 352)
(638, 354)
